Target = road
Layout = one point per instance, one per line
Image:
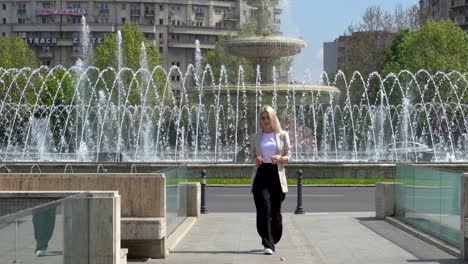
(315, 199)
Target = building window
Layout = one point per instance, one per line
(103, 8)
(21, 20)
(124, 6)
(74, 5)
(76, 20)
(45, 49)
(124, 20)
(3, 34)
(21, 10)
(161, 8)
(103, 20)
(178, 78)
(46, 63)
(199, 12)
(44, 20)
(173, 78)
(4, 21)
(3, 6)
(160, 50)
(161, 21)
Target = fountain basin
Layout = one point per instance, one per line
(264, 3)
(264, 47)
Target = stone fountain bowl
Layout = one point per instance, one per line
(264, 47)
(260, 3)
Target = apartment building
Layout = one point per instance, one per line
(53, 27)
(346, 51)
(457, 10)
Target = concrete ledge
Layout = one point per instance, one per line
(179, 233)
(442, 245)
(143, 228)
(384, 199)
(123, 255)
(193, 199)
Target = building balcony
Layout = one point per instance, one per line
(21, 12)
(34, 27)
(71, 27)
(103, 28)
(149, 13)
(231, 4)
(193, 30)
(134, 12)
(189, 44)
(461, 20)
(229, 17)
(457, 3)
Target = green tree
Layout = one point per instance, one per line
(16, 53)
(437, 47)
(106, 55)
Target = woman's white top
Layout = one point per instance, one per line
(268, 146)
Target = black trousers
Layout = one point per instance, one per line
(44, 224)
(268, 197)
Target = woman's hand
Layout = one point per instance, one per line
(275, 159)
(259, 160)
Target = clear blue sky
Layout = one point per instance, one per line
(323, 21)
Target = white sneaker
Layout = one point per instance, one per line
(267, 251)
(40, 253)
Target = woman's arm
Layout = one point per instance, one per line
(286, 147)
(284, 157)
(253, 151)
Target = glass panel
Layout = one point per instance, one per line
(429, 199)
(426, 215)
(450, 207)
(50, 233)
(176, 196)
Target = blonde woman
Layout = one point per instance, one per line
(269, 152)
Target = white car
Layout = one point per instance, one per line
(409, 150)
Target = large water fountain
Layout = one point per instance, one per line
(87, 114)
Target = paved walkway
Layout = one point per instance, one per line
(223, 238)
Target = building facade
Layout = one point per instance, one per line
(347, 51)
(53, 27)
(457, 10)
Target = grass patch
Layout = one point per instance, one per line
(228, 181)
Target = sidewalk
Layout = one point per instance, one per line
(223, 238)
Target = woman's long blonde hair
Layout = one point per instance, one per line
(273, 117)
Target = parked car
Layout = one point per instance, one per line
(409, 151)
